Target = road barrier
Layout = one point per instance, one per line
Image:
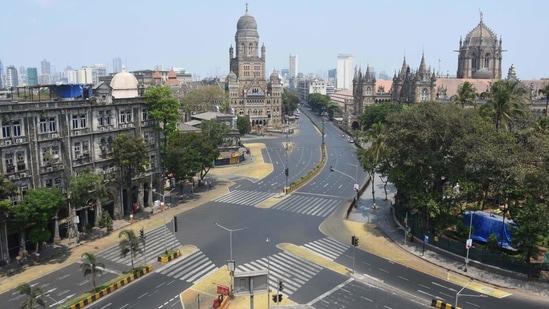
(440, 304)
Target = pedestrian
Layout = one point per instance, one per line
(210, 185)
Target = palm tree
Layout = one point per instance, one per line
(35, 296)
(506, 99)
(371, 157)
(545, 91)
(129, 244)
(466, 95)
(91, 266)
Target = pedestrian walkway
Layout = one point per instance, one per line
(327, 247)
(242, 197)
(381, 219)
(309, 205)
(191, 268)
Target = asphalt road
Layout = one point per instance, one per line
(379, 283)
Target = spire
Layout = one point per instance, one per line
(404, 66)
(422, 68)
(246, 7)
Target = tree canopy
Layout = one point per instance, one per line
(290, 101)
(209, 98)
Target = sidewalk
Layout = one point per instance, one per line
(381, 223)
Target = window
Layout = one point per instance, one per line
(100, 118)
(145, 114)
(122, 117)
(53, 125)
(424, 94)
(126, 116)
(108, 118)
(8, 159)
(20, 156)
(6, 131)
(75, 121)
(368, 91)
(487, 61)
(17, 128)
(85, 146)
(43, 125)
(83, 121)
(76, 148)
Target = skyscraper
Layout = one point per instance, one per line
(116, 65)
(32, 76)
(345, 71)
(1, 75)
(45, 72)
(11, 77)
(293, 66)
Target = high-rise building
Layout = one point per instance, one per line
(98, 70)
(32, 76)
(116, 65)
(22, 76)
(11, 77)
(345, 71)
(1, 75)
(293, 66)
(85, 75)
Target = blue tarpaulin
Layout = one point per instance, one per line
(486, 224)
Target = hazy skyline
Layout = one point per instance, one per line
(196, 35)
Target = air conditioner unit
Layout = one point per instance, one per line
(130, 125)
(123, 126)
(18, 140)
(11, 177)
(109, 128)
(23, 175)
(102, 129)
(54, 135)
(7, 142)
(76, 132)
(49, 169)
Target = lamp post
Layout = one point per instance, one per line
(322, 115)
(268, 271)
(469, 242)
(231, 261)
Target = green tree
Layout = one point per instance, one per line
(86, 188)
(90, 266)
(290, 101)
(184, 154)
(545, 91)
(164, 110)
(129, 244)
(378, 113)
(7, 190)
(209, 98)
(243, 124)
(505, 100)
(375, 153)
(332, 108)
(36, 209)
(34, 295)
(318, 102)
(214, 131)
(466, 95)
(131, 156)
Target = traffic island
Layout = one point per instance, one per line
(109, 287)
(168, 256)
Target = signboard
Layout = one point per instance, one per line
(426, 239)
(250, 282)
(356, 187)
(469, 243)
(222, 289)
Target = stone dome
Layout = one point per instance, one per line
(232, 77)
(124, 85)
(124, 80)
(483, 73)
(480, 35)
(275, 76)
(246, 26)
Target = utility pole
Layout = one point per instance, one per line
(286, 170)
(322, 127)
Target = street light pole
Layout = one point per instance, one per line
(322, 114)
(268, 271)
(231, 247)
(466, 295)
(469, 241)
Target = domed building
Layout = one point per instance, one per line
(124, 85)
(480, 54)
(250, 93)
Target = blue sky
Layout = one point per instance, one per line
(196, 35)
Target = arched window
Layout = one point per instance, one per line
(424, 94)
(487, 60)
(474, 64)
(368, 90)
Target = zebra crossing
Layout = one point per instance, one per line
(308, 205)
(242, 197)
(154, 245)
(292, 270)
(191, 268)
(327, 247)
